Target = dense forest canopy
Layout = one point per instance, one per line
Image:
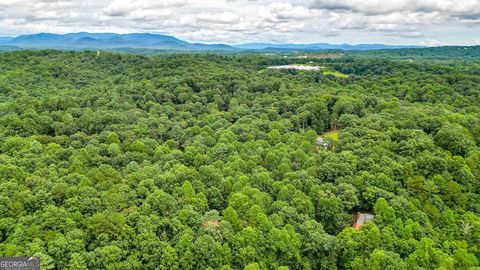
(119, 161)
(471, 53)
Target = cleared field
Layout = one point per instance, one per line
(335, 73)
(334, 134)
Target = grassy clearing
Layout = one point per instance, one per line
(332, 134)
(335, 73)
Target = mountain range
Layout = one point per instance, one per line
(84, 40)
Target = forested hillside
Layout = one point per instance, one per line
(432, 53)
(117, 161)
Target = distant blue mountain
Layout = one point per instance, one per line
(40, 39)
(85, 40)
(5, 39)
(91, 35)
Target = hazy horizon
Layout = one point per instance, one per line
(227, 43)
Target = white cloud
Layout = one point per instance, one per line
(276, 12)
(126, 7)
(222, 17)
(232, 21)
(454, 7)
(433, 42)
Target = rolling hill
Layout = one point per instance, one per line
(85, 40)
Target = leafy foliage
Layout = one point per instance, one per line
(116, 161)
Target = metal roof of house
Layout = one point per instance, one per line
(362, 218)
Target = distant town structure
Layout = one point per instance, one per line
(361, 218)
(297, 67)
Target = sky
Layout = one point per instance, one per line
(421, 22)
